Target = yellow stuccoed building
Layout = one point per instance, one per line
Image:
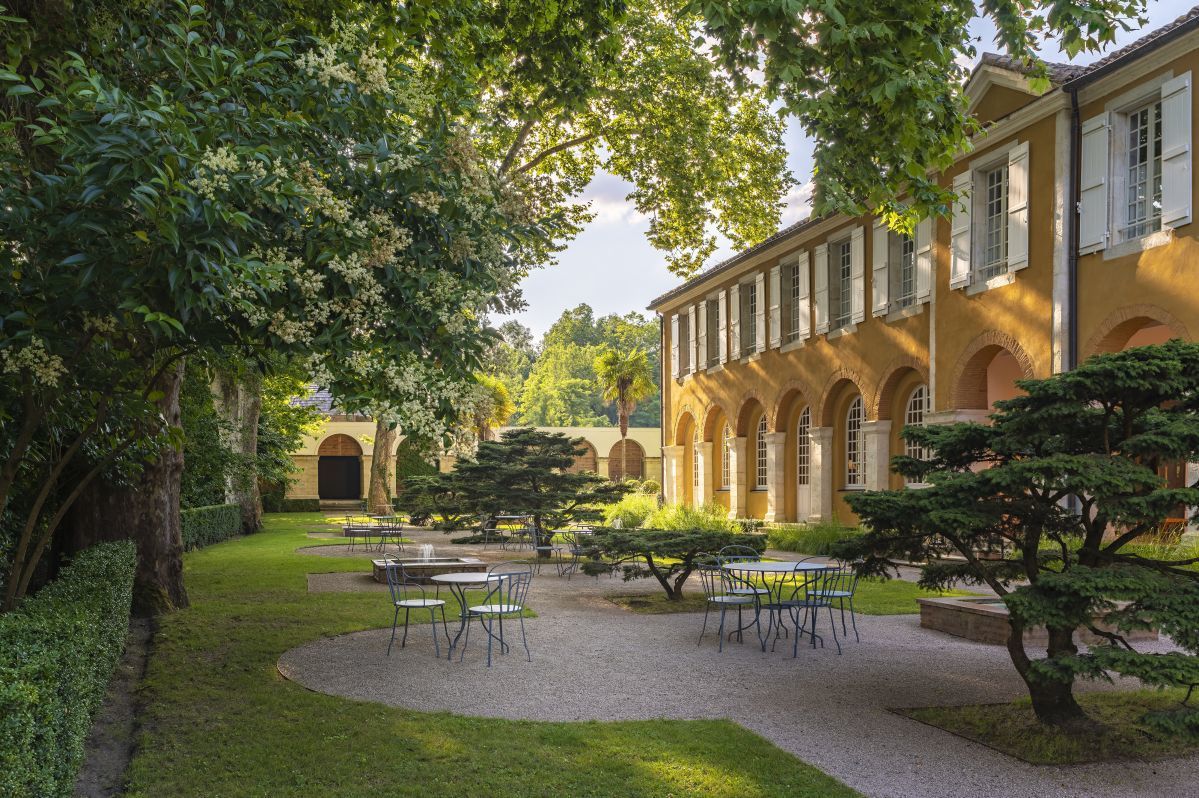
(795, 364)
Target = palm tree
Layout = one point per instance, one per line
(626, 380)
(494, 408)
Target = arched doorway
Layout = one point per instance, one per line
(988, 372)
(635, 461)
(339, 468)
(585, 461)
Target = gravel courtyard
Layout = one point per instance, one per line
(595, 661)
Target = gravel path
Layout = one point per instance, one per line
(594, 661)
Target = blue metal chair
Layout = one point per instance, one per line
(842, 589)
(719, 586)
(738, 553)
(403, 589)
(508, 585)
(810, 596)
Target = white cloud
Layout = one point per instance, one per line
(798, 202)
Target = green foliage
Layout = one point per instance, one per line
(280, 504)
(208, 461)
(203, 526)
(632, 510)
(898, 69)
(669, 555)
(1092, 439)
(561, 387)
(282, 425)
(437, 498)
(822, 538)
(57, 653)
(411, 460)
(711, 517)
(626, 378)
(526, 473)
(649, 486)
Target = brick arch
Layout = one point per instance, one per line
(681, 420)
(831, 386)
(791, 390)
(339, 445)
(972, 367)
(896, 370)
(713, 411)
(1122, 324)
(636, 460)
(587, 461)
(749, 401)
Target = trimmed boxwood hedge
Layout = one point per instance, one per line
(203, 526)
(57, 653)
(300, 506)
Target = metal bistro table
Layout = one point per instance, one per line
(459, 583)
(775, 602)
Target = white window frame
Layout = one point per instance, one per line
(1151, 222)
(726, 457)
(855, 448)
(750, 308)
(899, 247)
(685, 365)
(803, 447)
(712, 339)
(840, 284)
(915, 414)
(695, 462)
(983, 205)
(761, 469)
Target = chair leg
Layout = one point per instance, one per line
(490, 637)
(833, 623)
(444, 626)
(853, 619)
(707, 606)
(404, 641)
(720, 631)
(394, 619)
(466, 641)
(524, 639)
(503, 645)
(433, 623)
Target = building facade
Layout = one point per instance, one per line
(795, 365)
(335, 463)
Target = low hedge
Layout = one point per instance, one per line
(58, 651)
(296, 506)
(203, 526)
(817, 538)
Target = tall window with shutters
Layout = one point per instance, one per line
(711, 354)
(761, 482)
(695, 463)
(1143, 189)
(994, 226)
(726, 457)
(795, 303)
(903, 270)
(855, 472)
(749, 313)
(840, 285)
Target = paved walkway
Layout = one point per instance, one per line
(595, 661)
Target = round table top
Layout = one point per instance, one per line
(463, 578)
(776, 566)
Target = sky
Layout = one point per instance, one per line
(611, 265)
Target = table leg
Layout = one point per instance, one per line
(460, 592)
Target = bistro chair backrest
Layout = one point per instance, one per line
(718, 580)
(508, 583)
(844, 579)
(739, 553)
(399, 581)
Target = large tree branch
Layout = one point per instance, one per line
(518, 144)
(557, 148)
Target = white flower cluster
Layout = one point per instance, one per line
(427, 201)
(101, 325)
(213, 170)
(33, 359)
(321, 196)
(372, 71)
(324, 65)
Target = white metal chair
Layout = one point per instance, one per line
(508, 585)
(403, 589)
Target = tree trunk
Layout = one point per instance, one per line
(147, 513)
(1052, 699)
(238, 399)
(379, 493)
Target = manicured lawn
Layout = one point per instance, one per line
(874, 597)
(1014, 730)
(221, 721)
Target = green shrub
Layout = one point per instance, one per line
(649, 486)
(818, 538)
(680, 518)
(203, 526)
(57, 653)
(294, 506)
(631, 510)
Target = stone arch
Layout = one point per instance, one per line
(587, 461)
(714, 413)
(832, 387)
(748, 408)
(636, 460)
(1113, 334)
(339, 445)
(791, 391)
(880, 407)
(682, 424)
(969, 379)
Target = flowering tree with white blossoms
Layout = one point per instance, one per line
(184, 181)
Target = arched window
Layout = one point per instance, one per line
(760, 482)
(855, 474)
(803, 448)
(726, 453)
(695, 461)
(914, 417)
